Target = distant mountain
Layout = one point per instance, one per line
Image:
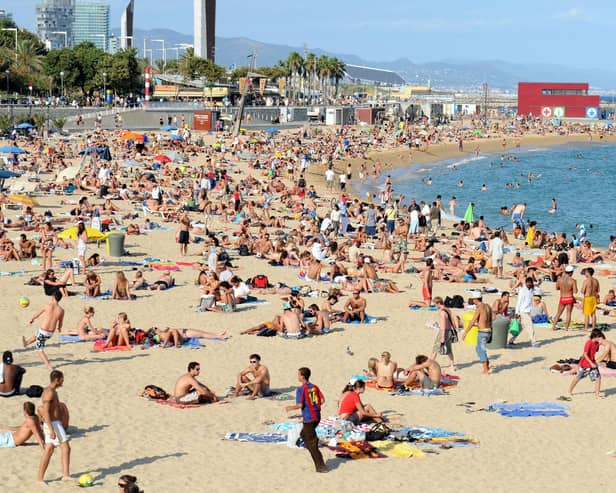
(460, 75)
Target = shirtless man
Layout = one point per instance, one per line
(427, 277)
(354, 308)
(590, 290)
(314, 270)
(275, 325)
(608, 357)
(12, 376)
(53, 319)
(568, 288)
(290, 323)
(321, 324)
(483, 319)
(255, 379)
(385, 371)
(53, 429)
(18, 435)
(426, 371)
(183, 234)
(189, 390)
(501, 305)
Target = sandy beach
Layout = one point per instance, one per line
(114, 431)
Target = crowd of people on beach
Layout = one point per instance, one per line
(271, 214)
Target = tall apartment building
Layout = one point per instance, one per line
(91, 23)
(126, 25)
(204, 28)
(54, 22)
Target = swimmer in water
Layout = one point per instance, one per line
(554, 206)
(484, 188)
(460, 184)
(430, 181)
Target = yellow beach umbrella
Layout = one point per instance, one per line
(71, 234)
(24, 200)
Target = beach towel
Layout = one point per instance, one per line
(424, 392)
(526, 409)
(323, 278)
(356, 450)
(106, 295)
(173, 403)
(192, 342)
(430, 308)
(257, 437)
(129, 263)
(98, 346)
(167, 267)
(150, 260)
(367, 320)
(69, 338)
(399, 450)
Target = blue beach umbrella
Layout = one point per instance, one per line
(5, 173)
(176, 137)
(12, 150)
(24, 125)
(272, 130)
(168, 128)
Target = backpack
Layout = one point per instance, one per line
(34, 391)
(457, 301)
(154, 392)
(223, 257)
(260, 281)
(243, 250)
(379, 431)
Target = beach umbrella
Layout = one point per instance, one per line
(272, 130)
(478, 132)
(176, 137)
(161, 158)
(67, 174)
(132, 163)
(24, 126)
(71, 234)
(469, 215)
(49, 150)
(23, 200)
(168, 128)
(5, 173)
(132, 136)
(12, 150)
(90, 150)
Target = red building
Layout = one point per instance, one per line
(560, 100)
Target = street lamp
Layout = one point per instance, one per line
(104, 88)
(164, 52)
(151, 56)
(62, 83)
(12, 29)
(65, 36)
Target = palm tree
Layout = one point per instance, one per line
(324, 70)
(29, 61)
(295, 62)
(337, 72)
(310, 66)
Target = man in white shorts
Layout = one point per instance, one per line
(189, 390)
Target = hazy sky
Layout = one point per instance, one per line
(575, 33)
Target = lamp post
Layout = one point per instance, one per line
(151, 56)
(164, 52)
(8, 101)
(104, 88)
(12, 29)
(62, 83)
(65, 36)
(145, 53)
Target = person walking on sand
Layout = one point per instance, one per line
(590, 290)
(523, 310)
(588, 366)
(309, 399)
(53, 319)
(53, 430)
(567, 287)
(483, 319)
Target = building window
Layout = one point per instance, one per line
(564, 92)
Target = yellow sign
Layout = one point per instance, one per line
(281, 86)
(215, 92)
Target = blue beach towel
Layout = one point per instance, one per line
(257, 437)
(69, 338)
(418, 392)
(106, 295)
(367, 320)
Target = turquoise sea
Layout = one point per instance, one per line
(581, 177)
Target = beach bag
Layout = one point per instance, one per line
(154, 392)
(379, 431)
(243, 250)
(34, 391)
(207, 301)
(540, 319)
(515, 327)
(140, 336)
(456, 302)
(260, 281)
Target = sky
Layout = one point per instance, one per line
(572, 33)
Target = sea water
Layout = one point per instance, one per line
(581, 177)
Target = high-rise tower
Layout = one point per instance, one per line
(205, 28)
(126, 25)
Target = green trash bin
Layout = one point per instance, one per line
(500, 332)
(115, 244)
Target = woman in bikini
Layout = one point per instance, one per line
(85, 330)
(120, 332)
(121, 288)
(93, 284)
(48, 243)
(386, 370)
(176, 337)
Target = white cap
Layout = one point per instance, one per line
(367, 260)
(569, 268)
